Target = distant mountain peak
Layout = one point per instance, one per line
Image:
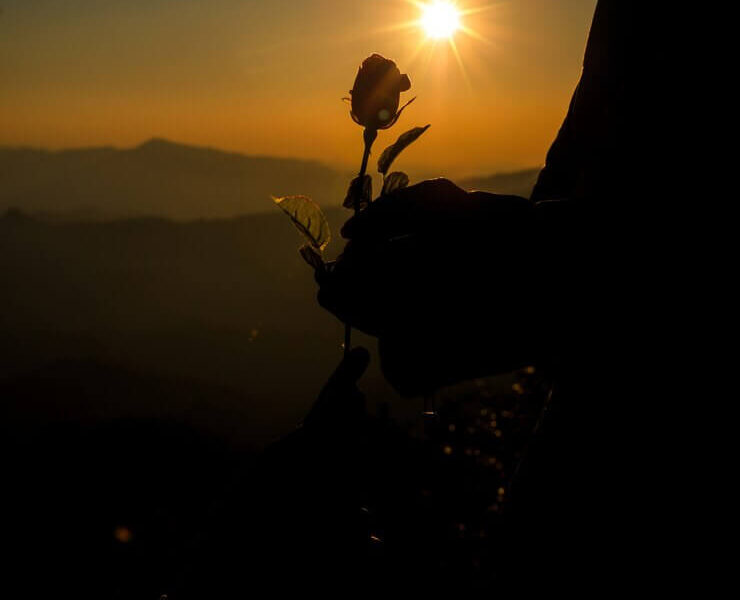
(159, 177)
(179, 181)
(519, 183)
(157, 142)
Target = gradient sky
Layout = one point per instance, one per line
(266, 77)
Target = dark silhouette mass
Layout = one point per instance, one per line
(460, 285)
(521, 319)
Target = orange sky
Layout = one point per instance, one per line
(265, 77)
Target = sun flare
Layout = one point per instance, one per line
(446, 28)
(440, 20)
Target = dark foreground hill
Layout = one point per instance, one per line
(227, 302)
(144, 362)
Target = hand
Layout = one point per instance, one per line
(444, 278)
(340, 402)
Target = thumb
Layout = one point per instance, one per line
(340, 398)
(350, 369)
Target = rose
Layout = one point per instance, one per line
(375, 98)
(376, 93)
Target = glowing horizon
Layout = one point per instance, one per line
(267, 78)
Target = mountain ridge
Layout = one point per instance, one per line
(159, 177)
(518, 183)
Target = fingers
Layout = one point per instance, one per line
(349, 371)
(430, 207)
(405, 210)
(340, 400)
(414, 238)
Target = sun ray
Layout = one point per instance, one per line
(428, 59)
(463, 72)
(441, 20)
(399, 27)
(417, 4)
(478, 9)
(417, 51)
(474, 34)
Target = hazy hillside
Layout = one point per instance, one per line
(227, 303)
(518, 183)
(143, 362)
(164, 179)
(157, 178)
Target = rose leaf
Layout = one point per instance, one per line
(394, 181)
(392, 151)
(308, 218)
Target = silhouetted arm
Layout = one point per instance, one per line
(619, 112)
(458, 284)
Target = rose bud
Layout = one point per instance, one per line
(376, 93)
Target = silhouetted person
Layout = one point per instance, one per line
(459, 284)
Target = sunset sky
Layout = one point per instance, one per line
(266, 77)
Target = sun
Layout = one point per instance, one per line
(440, 20)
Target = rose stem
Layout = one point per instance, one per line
(368, 136)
